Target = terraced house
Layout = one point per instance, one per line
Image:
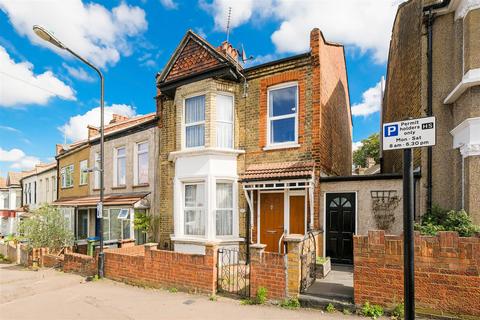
(131, 146)
(243, 148)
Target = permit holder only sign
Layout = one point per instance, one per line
(412, 133)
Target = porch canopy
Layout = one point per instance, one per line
(109, 200)
(296, 175)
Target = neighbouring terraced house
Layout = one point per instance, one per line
(131, 154)
(444, 36)
(10, 202)
(39, 186)
(242, 149)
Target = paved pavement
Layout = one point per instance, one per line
(50, 294)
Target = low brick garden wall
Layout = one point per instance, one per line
(268, 270)
(447, 272)
(146, 265)
(80, 263)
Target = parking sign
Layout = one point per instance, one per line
(412, 133)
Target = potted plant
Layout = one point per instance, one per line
(323, 267)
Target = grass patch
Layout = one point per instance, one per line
(371, 310)
(330, 308)
(213, 297)
(291, 303)
(173, 290)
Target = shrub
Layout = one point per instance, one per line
(46, 228)
(439, 219)
(374, 311)
(346, 311)
(292, 303)
(330, 308)
(261, 295)
(398, 312)
(173, 290)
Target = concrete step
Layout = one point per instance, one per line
(320, 302)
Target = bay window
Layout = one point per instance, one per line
(195, 121)
(282, 114)
(194, 209)
(224, 106)
(141, 163)
(120, 167)
(224, 209)
(117, 224)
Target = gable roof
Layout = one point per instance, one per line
(193, 55)
(13, 178)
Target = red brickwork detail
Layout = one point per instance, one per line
(80, 263)
(265, 83)
(193, 59)
(160, 268)
(268, 270)
(447, 271)
(52, 261)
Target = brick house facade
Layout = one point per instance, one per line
(228, 133)
(455, 98)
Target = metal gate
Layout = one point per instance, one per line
(308, 259)
(233, 272)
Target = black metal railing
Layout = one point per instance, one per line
(233, 272)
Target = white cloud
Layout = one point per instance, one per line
(90, 29)
(76, 127)
(20, 86)
(356, 145)
(11, 129)
(78, 73)
(365, 24)
(18, 159)
(371, 102)
(169, 4)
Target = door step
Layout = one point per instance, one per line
(317, 302)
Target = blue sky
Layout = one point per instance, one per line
(46, 97)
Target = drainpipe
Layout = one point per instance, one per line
(429, 20)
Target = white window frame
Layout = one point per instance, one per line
(204, 208)
(115, 166)
(228, 94)
(96, 170)
(185, 125)
(270, 143)
(63, 173)
(136, 164)
(83, 175)
(106, 223)
(234, 211)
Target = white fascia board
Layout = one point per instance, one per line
(470, 79)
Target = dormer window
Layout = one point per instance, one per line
(195, 122)
(283, 114)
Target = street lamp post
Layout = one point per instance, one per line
(47, 36)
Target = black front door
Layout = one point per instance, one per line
(340, 216)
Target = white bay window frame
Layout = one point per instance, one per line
(203, 209)
(222, 122)
(196, 123)
(270, 143)
(232, 209)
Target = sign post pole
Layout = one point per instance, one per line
(408, 236)
(406, 135)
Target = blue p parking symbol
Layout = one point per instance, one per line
(391, 130)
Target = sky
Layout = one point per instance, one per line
(47, 97)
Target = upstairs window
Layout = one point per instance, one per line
(96, 171)
(195, 122)
(224, 106)
(141, 164)
(283, 114)
(120, 162)
(66, 175)
(83, 172)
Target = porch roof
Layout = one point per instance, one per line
(279, 171)
(109, 200)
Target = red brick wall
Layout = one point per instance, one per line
(52, 261)
(268, 270)
(447, 272)
(159, 268)
(80, 263)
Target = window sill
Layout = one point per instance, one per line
(63, 188)
(281, 146)
(119, 187)
(140, 185)
(83, 184)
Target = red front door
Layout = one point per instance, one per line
(271, 219)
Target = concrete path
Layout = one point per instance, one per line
(50, 294)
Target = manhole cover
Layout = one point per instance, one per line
(188, 301)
